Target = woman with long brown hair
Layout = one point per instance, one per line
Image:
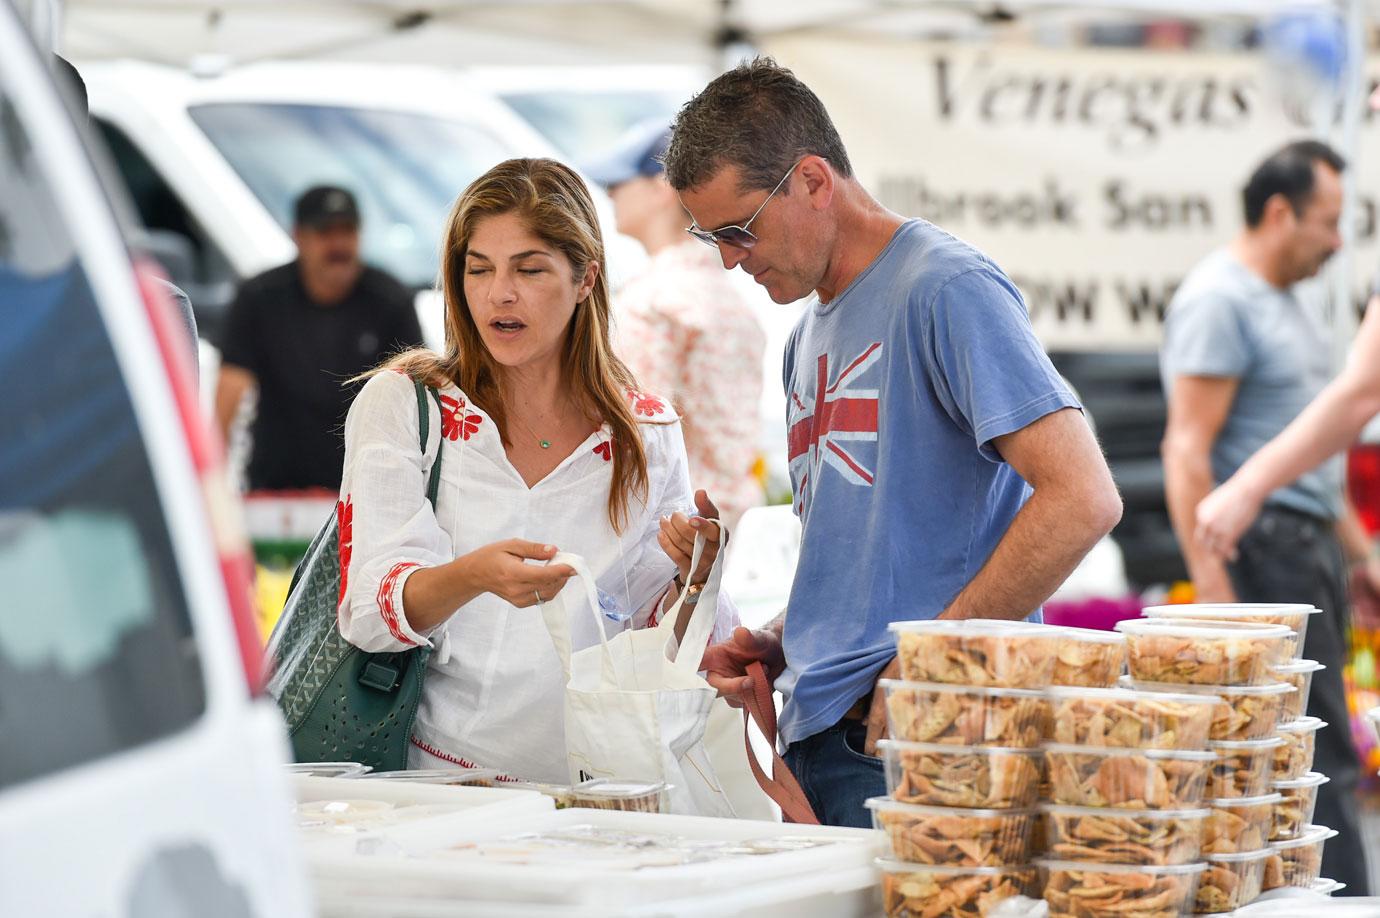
(547, 445)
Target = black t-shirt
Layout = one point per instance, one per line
(302, 353)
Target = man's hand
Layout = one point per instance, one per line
(725, 665)
(876, 716)
(1223, 517)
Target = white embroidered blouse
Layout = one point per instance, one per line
(493, 691)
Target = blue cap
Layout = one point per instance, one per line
(637, 152)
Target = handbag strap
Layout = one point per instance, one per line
(782, 787)
(423, 429)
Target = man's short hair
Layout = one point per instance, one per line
(758, 117)
(1288, 171)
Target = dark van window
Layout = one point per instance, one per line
(96, 648)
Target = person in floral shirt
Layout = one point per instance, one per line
(684, 329)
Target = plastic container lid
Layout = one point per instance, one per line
(1096, 867)
(1227, 609)
(1311, 835)
(971, 627)
(1297, 667)
(904, 746)
(329, 769)
(892, 685)
(1257, 745)
(1312, 779)
(1273, 688)
(1203, 629)
(1302, 725)
(887, 804)
(889, 866)
(436, 775)
(1237, 857)
(1092, 635)
(1226, 803)
(619, 790)
(1191, 755)
(1062, 809)
(1075, 693)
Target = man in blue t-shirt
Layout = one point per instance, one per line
(939, 465)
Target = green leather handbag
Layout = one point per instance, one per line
(341, 703)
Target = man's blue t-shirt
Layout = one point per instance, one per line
(895, 391)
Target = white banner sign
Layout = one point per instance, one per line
(1096, 179)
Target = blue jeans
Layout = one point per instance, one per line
(835, 774)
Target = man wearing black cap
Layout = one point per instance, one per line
(297, 333)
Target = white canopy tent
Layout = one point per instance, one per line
(210, 35)
(450, 32)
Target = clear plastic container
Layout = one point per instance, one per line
(1240, 824)
(1131, 719)
(1230, 881)
(932, 712)
(1294, 757)
(1088, 657)
(328, 769)
(1075, 889)
(1110, 836)
(1301, 858)
(1244, 768)
(561, 794)
(1244, 712)
(984, 652)
(627, 796)
(1204, 652)
(1294, 615)
(456, 777)
(1294, 813)
(932, 774)
(912, 890)
(1299, 674)
(948, 837)
(1151, 779)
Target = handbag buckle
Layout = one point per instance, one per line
(379, 676)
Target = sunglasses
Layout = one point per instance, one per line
(740, 237)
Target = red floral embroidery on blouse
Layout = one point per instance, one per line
(384, 599)
(456, 422)
(344, 525)
(648, 405)
(604, 449)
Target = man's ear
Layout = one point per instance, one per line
(818, 179)
(1278, 212)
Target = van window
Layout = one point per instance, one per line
(406, 169)
(184, 249)
(96, 648)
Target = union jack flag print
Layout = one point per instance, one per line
(824, 423)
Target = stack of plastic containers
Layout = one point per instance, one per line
(1127, 771)
(1246, 656)
(967, 720)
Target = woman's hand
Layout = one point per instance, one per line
(1223, 516)
(677, 538)
(502, 569)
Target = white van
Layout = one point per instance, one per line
(141, 770)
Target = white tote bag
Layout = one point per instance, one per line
(635, 705)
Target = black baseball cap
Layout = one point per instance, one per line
(323, 205)
(637, 152)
